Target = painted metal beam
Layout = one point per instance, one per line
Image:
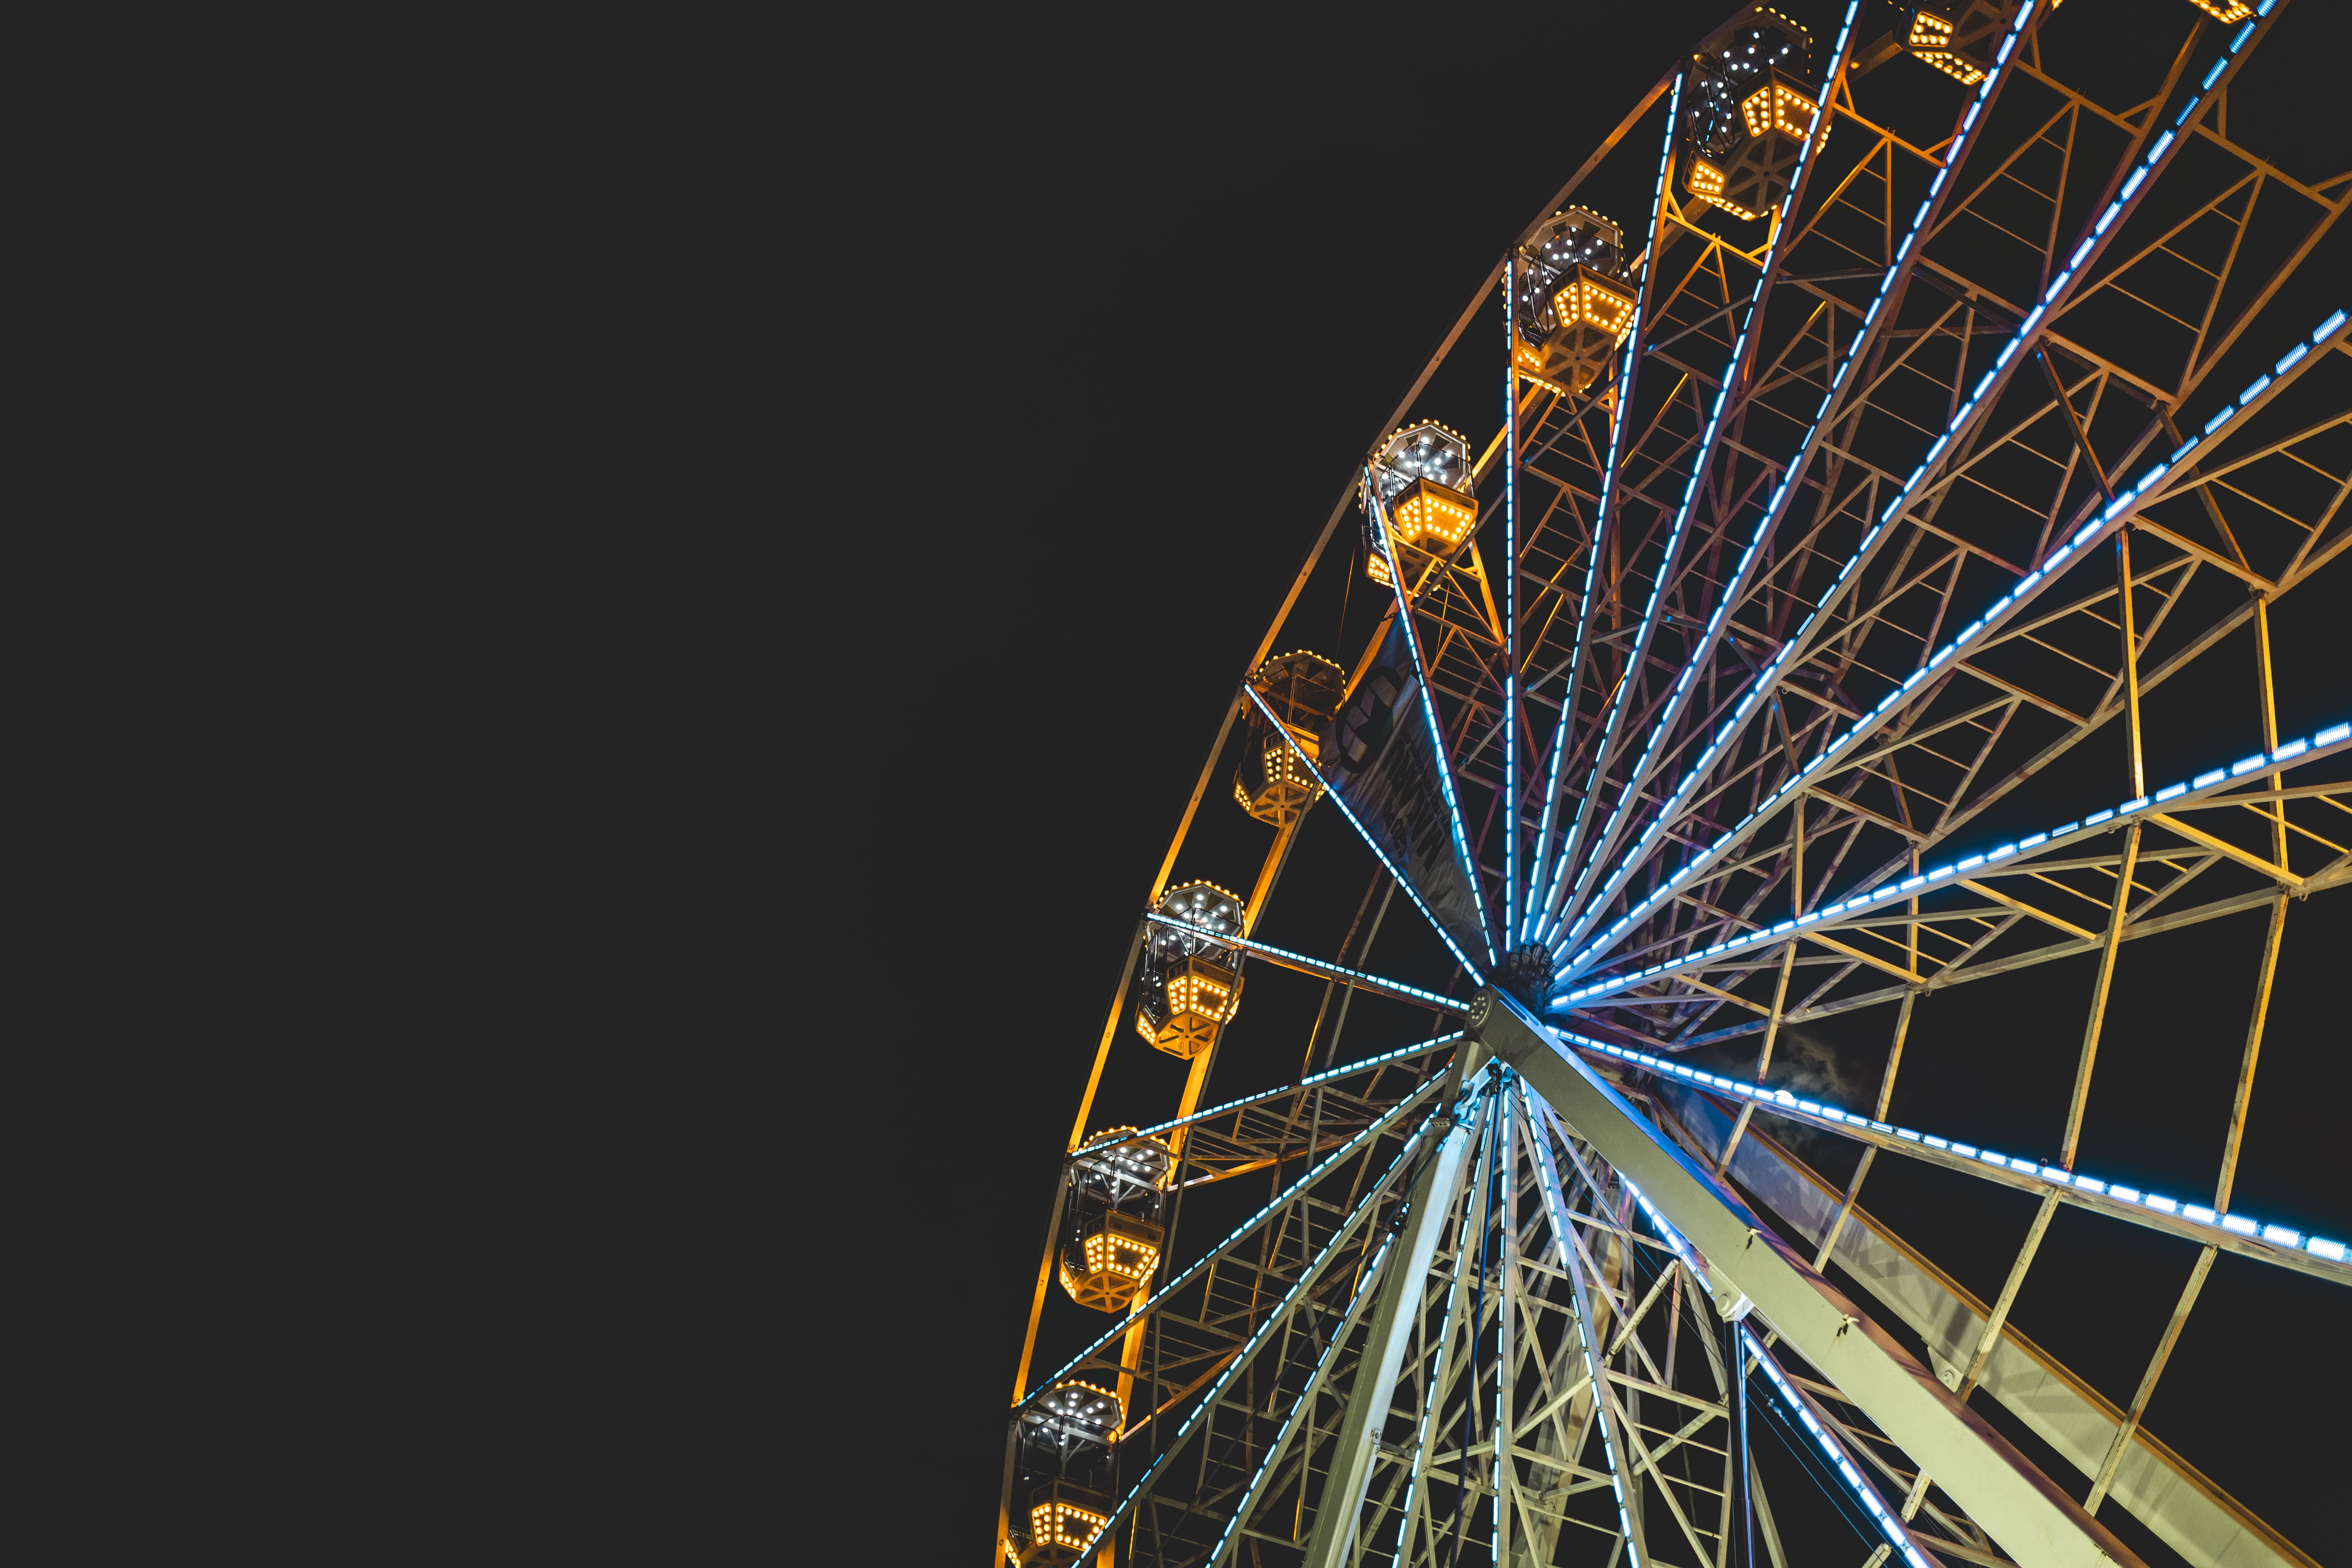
(1394, 1319)
(2038, 1525)
(2191, 1514)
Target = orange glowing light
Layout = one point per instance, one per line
(1931, 35)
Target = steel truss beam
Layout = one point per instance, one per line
(2033, 1521)
(2163, 1490)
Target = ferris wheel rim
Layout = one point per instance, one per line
(1578, 944)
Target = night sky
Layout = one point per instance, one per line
(1213, 261)
(392, 421)
(607, 626)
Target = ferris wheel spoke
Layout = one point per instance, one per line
(1429, 1213)
(1385, 533)
(1254, 1141)
(1200, 1425)
(1540, 892)
(1403, 1109)
(1951, 462)
(2150, 1480)
(1988, 1476)
(1323, 969)
(1867, 911)
(1824, 418)
(1373, 844)
(1734, 367)
(2280, 1246)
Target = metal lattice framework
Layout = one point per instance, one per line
(1733, 714)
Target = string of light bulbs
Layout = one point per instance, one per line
(1510, 584)
(1897, 1535)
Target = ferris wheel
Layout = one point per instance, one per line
(1864, 600)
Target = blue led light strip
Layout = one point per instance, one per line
(1776, 508)
(1332, 971)
(1436, 1385)
(1250, 1347)
(1510, 596)
(1556, 1204)
(1780, 1102)
(1345, 1069)
(1628, 358)
(1343, 1153)
(2329, 742)
(1638, 654)
(2264, 387)
(1374, 845)
(1428, 708)
(1864, 1493)
(1275, 1449)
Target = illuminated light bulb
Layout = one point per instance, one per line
(1706, 183)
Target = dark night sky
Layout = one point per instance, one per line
(389, 422)
(572, 772)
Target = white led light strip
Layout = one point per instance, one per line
(1346, 1069)
(1637, 655)
(1775, 509)
(1777, 664)
(1273, 1319)
(1274, 1450)
(1781, 1102)
(2310, 748)
(1548, 1179)
(1510, 586)
(1864, 1492)
(1436, 1382)
(1428, 708)
(1627, 356)
(1321, 967)
(1344, 1152)
(1974, 633)
(1373, 844)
